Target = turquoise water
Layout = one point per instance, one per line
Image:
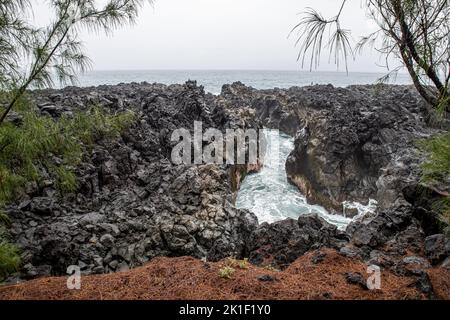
(213, 80)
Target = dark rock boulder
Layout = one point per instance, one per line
(376, 231)
(356, 278)
(280, 243)
(437, 248)
(412, 265)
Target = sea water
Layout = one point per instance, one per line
(213, 80)
(270, 196)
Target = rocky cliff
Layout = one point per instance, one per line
(133, 203)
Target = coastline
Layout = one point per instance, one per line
(213, 80)
(141, 206)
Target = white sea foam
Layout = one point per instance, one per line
(271, 197)
(362, 209)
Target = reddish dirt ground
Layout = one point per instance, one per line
(189, 278)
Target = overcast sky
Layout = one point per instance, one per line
(218, 34)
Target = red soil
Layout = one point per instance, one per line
(189, 278)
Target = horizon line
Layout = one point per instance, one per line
(238, 70)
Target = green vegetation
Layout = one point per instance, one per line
(9, 258)
(436, 170)
(40, 142)
(410, 35)
(235, 263)
(54, 52)
(443, 206)
(226, 272)
(41, 147)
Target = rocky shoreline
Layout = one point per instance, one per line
(133, 204)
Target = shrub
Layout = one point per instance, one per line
(9, 256)
(39, 147)
(41, 143)
(4, 219)
(226, 272)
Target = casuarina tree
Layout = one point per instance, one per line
(415, 33)
(31, 56)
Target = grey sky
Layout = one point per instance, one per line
(218, 34)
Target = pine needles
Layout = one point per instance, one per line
(9, 258)
(55, 52)
(37, 146)
(436, 170)
(41, 143)
(9, 254)
(412, 34)
(311, 31)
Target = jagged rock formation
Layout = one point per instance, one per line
(352, 144)
(134, 204)
(281, 243)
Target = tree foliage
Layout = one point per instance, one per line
(436, 171)
(53, 52)
(414, 32)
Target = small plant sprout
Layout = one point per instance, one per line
(241, 264)
(226, 272)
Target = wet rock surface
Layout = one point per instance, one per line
(280, 243)
(134, 204)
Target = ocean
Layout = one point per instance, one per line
(270, 196)
(213, 80)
